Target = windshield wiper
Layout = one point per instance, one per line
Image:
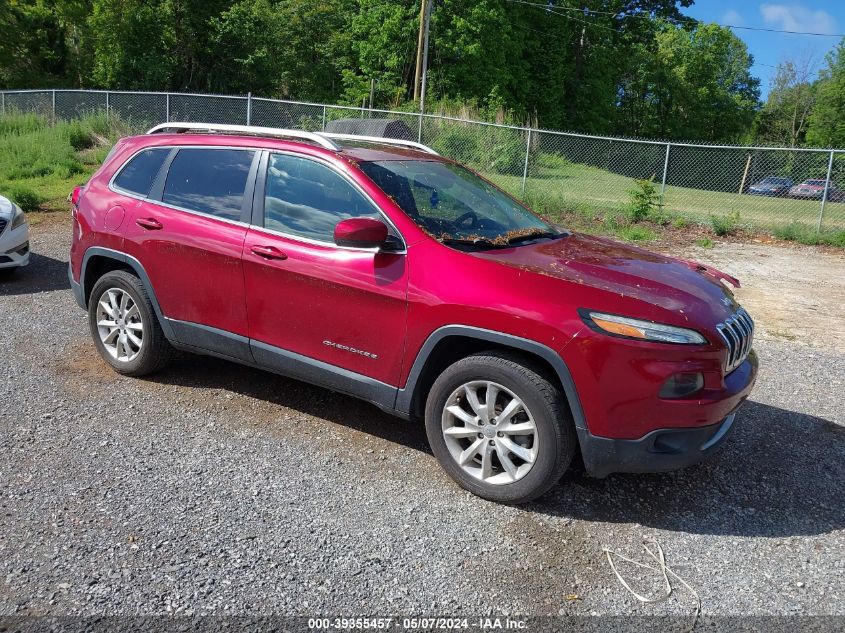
(475, 241)
(521, 237)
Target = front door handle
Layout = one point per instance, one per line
(268, 252)
(151, 224)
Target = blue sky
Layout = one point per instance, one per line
(771, 48)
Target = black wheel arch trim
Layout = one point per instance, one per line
(99, 251)
(405, 395)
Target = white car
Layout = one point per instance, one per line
(14, 237)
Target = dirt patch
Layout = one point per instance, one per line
(794, 293)
(81, 365)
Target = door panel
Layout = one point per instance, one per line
(191, 243)
(345, 307)
(194, 264)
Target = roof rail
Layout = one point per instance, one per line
(181, 127)
(324, 139)
(380, 139)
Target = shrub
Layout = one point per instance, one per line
(24, 197)
(806, 234)
(501, 151)
(725, 224)
(458, 142)
(79, 136)
(705, 242)
(642, 200)
(507, 153)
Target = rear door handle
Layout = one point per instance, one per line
(268, 252)
(151, 224)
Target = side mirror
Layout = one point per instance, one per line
(360, 232)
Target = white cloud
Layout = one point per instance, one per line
(795, 17)
(733, 18)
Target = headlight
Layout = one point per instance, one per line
(642, 330)
(18, 219)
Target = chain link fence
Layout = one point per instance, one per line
(557, 173)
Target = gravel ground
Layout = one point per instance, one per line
(212, 489)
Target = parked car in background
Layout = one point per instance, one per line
(379, 269)
(14, 237)
(771, 186)
(813, 189)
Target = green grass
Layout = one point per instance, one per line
(806, 234)
(705, 242)
(40, 162)
(636, 234)
(558, 185)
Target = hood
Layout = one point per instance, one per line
(7, 209)
(626, 271)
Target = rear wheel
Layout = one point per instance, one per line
(124, 326)
(499, 427)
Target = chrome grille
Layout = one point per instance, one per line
(738, 333)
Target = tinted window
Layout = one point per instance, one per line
(138, 175)
(304, 197)
(209, 181)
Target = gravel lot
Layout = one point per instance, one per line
(212, 488)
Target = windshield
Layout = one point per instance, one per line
(455, 205)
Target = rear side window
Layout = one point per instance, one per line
(210, 181)
(138, 175)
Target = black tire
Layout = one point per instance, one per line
(555, 431)
(156, 351)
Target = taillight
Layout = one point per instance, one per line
(74, 197)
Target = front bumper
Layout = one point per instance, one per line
(14, 247)
(659, 451)
(669, 448)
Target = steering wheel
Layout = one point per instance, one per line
(469, 215)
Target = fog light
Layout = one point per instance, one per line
(681, 385)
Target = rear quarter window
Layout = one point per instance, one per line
(210, 181)
(138, 174)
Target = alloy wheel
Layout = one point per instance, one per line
(119, 325)
(490, 432)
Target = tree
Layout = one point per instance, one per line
(134, 47)
(33, 47)
(827, 121)
(784, 118)
(690, 83)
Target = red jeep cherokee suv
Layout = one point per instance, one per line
(378, 269)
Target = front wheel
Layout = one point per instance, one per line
(499, 427)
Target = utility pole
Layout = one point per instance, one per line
(420, 44)
(427, 21)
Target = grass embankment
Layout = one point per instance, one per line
(597, 201)
(40, 162)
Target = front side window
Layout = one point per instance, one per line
(455, 205)
(210, 181)
(306, 198)
(138, 175)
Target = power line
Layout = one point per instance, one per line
(550, 8)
